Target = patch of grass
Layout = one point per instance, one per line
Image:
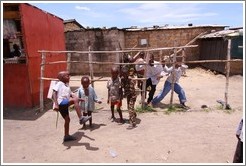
(174, 108)
(219, 107)
(227, 110)
(139, 109)
(206, 109)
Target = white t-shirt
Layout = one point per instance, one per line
(63, 91)
(139, 64)
(154, 71)
(177, 73)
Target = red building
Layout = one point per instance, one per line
(32, 29)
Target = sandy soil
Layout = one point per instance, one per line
(194, 136)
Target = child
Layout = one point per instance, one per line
(140, 69)
(63, 98)
(238, 156)
(173, 77)
(154, 72)
(87, 93)
(115, 93)
(128, 86)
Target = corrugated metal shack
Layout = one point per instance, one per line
(213, 46)
(32, 29)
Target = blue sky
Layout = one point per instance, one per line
(147, 13)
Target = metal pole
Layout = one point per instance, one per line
(41, 96)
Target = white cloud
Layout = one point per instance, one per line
(152, 13)
(82, 8)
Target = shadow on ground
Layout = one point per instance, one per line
(79, 136)
(25, 113)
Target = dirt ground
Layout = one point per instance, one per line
(194, 136)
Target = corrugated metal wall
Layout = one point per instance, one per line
(41, 31)
(216, 49)
(213, 49)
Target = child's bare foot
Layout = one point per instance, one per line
(84, 127)
(112, 118)
(122, 121)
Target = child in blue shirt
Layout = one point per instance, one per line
(88, 94)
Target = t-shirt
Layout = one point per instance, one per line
(140, 64)
(114, 87)
(177, 73)
(63, 91)
(89, 103)
(154, 71)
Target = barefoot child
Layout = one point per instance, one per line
(89, 97)
(63, 98)
(128, 86)
(115, 93)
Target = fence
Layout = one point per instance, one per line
(119, 62)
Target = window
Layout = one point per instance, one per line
(143, 42)
(13, 51)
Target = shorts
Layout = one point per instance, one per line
(63, 108)
(117, 103)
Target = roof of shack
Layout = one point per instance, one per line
(223, 33)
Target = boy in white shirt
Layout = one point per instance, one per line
(154, 73)
(63, 98)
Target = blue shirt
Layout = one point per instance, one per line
(89, 103)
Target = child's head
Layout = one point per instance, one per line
(114, 72)
(16, 47)
(64, 76)
(141, 55)
(178, 62)
(151, 60)
(124, 72)
(85, 81)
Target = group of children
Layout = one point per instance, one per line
(119, 86)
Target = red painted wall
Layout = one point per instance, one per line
(41, 31)
(16, 91)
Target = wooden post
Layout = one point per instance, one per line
(160, 56)
(183, 60)
(41, 95)
(227, 73)
(117, 59)
(68, 62)
(183, 55)
(143, 90)
(91, 66)
(173, 77)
